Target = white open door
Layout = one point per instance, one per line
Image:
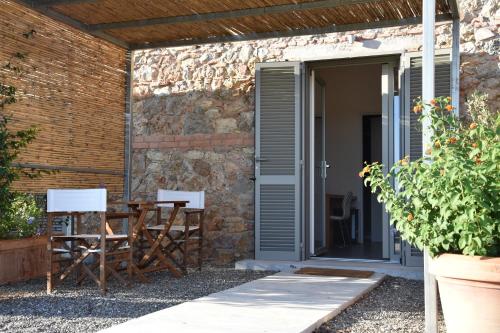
(277, 161)
(317, 154)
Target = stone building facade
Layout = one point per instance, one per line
(193, 110)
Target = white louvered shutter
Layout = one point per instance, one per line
(277, 169)
(413, 69)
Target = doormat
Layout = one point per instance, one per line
(335, 272)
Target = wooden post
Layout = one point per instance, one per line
(429, 12)
(78, 228)
(102, 254)
(200, 241)
(50, 276)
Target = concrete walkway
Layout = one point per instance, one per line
(284, 302)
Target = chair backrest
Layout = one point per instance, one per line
(346, 205)
(88, 200)
(196, 199)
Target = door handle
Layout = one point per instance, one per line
(324, 166)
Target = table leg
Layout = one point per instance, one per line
(156, 244)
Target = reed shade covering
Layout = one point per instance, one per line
(72, 87)
(193, 30)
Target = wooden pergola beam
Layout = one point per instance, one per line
(231, 14)
(287, 33)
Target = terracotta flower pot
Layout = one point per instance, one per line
(469, 288)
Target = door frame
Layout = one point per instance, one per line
(392, 59)
(396, 255)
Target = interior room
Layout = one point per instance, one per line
(352, 133)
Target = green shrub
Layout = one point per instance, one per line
(21, 218)
(448, 200)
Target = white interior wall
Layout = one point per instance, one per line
(351, 92)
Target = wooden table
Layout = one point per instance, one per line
(140, 229)
(328, 212)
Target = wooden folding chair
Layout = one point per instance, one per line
(85, 252)
(187, 238)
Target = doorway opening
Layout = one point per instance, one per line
(348, 103)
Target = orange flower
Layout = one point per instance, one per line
(433, 102)
(449, 107)
(410, 217)
(363, 172)
(428, 151)
(474, 145)
(417, 108)
(451, 140)
(437, 144)
(473, 126)
(404, 161)
(477, 159)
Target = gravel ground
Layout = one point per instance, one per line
(25, 307)
(397, 305)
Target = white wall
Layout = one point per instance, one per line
(351, 92)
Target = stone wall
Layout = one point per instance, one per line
(193, 110)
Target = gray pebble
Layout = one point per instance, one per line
(397, 305)
(25, 307)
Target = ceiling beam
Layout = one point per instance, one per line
(288, 33)
(232, 14)
(47, 11)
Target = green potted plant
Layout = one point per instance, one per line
(447, 203)
(20, 240)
